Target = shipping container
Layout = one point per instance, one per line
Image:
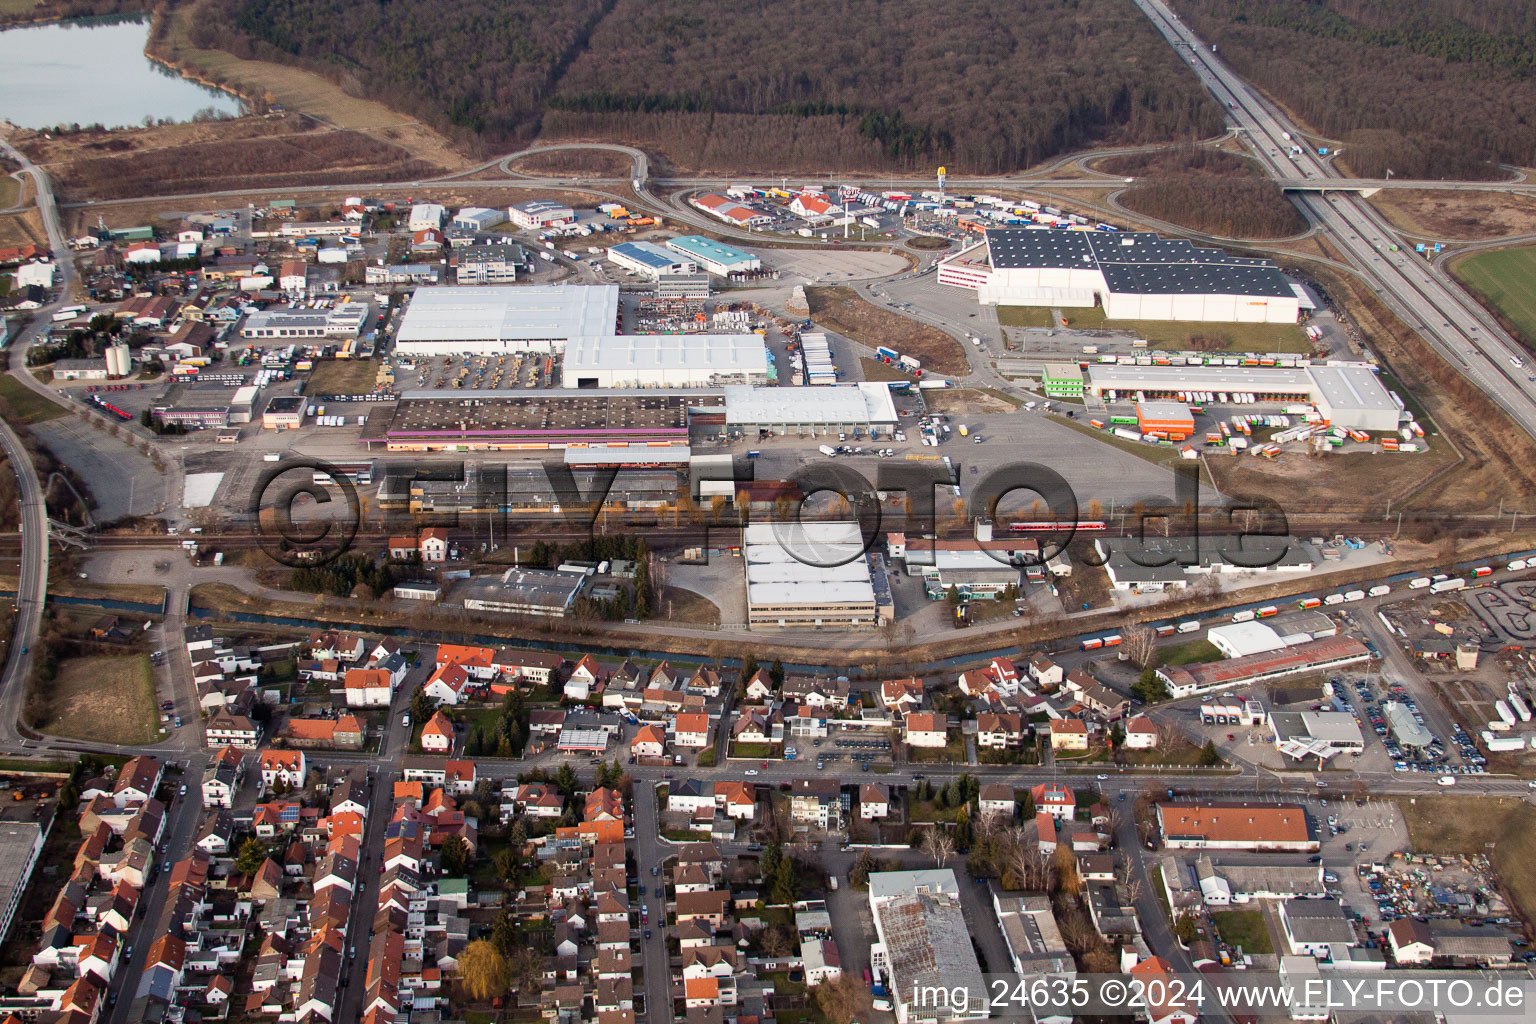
(1094, 644)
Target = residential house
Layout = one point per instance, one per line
(1140, 733)
(999, 731)
(434, 544)
(874, 801)
(368, 687)
(995, 798)
(1055, 799)
(690, 729)
(1045, 672)
(649, 742)
(437, 734)
(1069, 734)
(902, 695)
(282, 766)
(816, 802)
(927, 729)
(451, 684)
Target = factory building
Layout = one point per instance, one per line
(809, 411)
(715, 257)
(1171, 418)
(536, 592)
(1154, 564)
(425, 215)
(1133, 275)
(1348, 395)
(344, 321)
(488, 264)
(922, 937)
(498, 320)
(477, 218)
(665, 361)
(1312, 656)
(429, 421)
(650, 260)
(810, 576)
(539, 213)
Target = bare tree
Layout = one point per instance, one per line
(938, 845)
(1139, 644)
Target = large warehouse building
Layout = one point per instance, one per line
(665, 361)
(1133, 275)
(1348, 395)
(810, 411)
(809, 576)
(650, 260)
(496, 320)
(715, 257)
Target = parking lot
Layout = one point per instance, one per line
(477, 373)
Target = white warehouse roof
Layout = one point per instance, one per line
(1240, 639)
(806, 562)
(720, 353)
(865, 402)
(439, 317)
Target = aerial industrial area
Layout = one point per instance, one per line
(596, 586)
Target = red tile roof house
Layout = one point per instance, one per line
(437, 734)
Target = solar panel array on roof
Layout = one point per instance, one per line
(1138, 262)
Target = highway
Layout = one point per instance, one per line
(1424, 296)
(31, 589)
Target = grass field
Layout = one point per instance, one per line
(342, 377)
(1243, 928)
(1192, 652)
(1168, 335)
(27, 405)
(107, 699)
(1504, 829)
(10, 188)
(1506, 278)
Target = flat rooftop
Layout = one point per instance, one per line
(537, 588)
(865, 402)
(796, 563)
(507, 313)
(648, 253)
(543, 413)
(723, 353)
(1138, 262)
(1355, 388)
(708, 248)
(1259, 379)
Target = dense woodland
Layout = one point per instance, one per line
(1181, 159)
(1432, 88)
(1234, 207)
(981, 85)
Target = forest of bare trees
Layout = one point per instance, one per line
(982, 85)
(1184, 158)
(1233, 207)
(1436, 88)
